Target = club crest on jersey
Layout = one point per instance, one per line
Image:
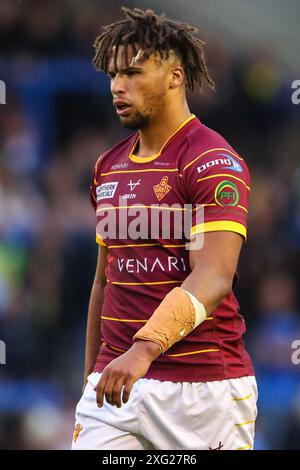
(77, 431)
(227, 194)
(106, 190)
(162, 188)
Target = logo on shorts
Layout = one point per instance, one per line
(217, 448)
(227, 194)
(106, 190)
(77, 431)
(162, 188)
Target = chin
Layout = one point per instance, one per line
(135, 122)
(130, 124)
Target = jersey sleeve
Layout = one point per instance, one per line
(93, 197)
(217, 184)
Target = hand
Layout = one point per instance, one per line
(124, 372)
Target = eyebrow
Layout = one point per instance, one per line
(124, 70)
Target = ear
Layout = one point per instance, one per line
(177, 77)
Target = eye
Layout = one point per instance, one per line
(132, 72)
(111, 75)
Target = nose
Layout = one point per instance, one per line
(117, 84)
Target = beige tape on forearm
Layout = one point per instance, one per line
(176, 316)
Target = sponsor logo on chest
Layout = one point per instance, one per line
(106, 190)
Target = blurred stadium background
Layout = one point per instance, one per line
(57, 119)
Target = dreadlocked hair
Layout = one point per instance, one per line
(153, 33)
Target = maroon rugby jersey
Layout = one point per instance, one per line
(140, 204)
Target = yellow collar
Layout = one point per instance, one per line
(137, 159)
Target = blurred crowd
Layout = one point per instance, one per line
(47, 227)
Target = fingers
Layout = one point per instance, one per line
(100, 389)
(127, 390)
(116, 392)
(111, 388)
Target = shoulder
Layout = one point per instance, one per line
(108, 157)
(208, 152)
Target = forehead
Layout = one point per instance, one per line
(134, 59)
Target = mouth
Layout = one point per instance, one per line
(122, 109)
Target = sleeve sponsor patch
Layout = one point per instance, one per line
(227, 194)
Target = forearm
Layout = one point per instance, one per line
(93, 333)
(209, 286)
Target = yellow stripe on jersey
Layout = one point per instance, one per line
(116, 349)
(203, 205)
(242, 207)
(137, 159)
(99, 240)
(133, 320)
(100, 209)
(172, 246)
(140, 171)
(243, 398)
(218, 226)
(137, 245)
(123, 320)
(169, 355)
(209, 151)
(224, 174)
(146, 244)
(143, 283)
(193, 352)
(134, 245)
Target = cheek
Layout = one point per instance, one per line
(155, 94)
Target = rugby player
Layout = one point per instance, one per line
(166, 366)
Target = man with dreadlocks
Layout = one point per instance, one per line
(168, 368)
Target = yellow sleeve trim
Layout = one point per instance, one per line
(99, 240)
(220, 225)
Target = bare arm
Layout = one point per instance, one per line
(93, 341)
(213, 268)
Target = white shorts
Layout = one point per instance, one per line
(218, 415)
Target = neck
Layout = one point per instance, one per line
(159, 130)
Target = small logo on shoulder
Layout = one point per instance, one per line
(106, 190)
(231, 163)
(226, 194)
